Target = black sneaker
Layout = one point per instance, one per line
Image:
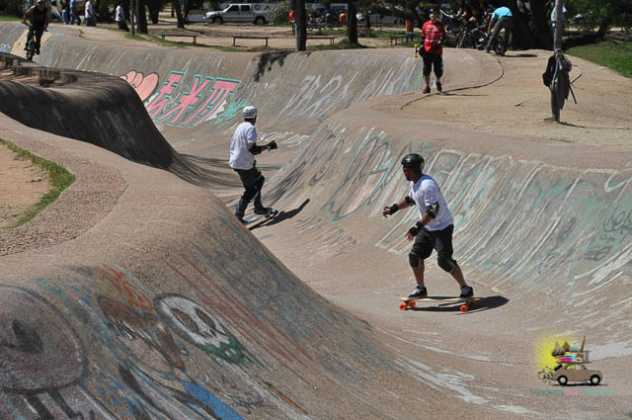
(240, 218)
(467, 292)
(426, 90)
(439, 87)
(419, 292)
(263, 211)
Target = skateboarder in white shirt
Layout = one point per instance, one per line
(434, 229)
(243, 147)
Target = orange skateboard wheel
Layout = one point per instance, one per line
(402, 306)
(464, 308)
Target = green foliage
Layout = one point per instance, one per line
(279, 17)
(598, 12)
(12, 7)
(615, 55)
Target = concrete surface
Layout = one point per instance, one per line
(149, 300)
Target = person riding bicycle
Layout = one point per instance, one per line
(501, 18)
(37, 16)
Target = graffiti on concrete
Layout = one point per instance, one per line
(319, 95)
(143, 84)
(178, 104)
(195, 325)
(182, 103)
(43, 363)
(139, 369)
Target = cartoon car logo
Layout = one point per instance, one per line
(577, 373)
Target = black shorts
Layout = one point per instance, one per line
(430, 61)
(426, 241)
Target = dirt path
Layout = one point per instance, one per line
(22, 184)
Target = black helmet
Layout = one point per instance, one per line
(414, 161)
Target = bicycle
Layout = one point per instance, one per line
(560, 84)
(30, 43)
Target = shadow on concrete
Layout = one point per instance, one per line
(485, 303)
(459, 94)
(266, 60)
(523, 55)
(283, 215)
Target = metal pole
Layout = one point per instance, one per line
(559, 24)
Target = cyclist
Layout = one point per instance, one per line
(500, 18)
(37, 16)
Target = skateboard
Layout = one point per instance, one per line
(257, 219)
(465, 304)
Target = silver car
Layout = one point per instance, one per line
(238, 13)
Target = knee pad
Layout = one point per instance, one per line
(447, 263)
(414, 260)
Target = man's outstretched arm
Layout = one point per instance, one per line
(406, 202)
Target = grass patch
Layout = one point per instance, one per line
(8, 18)
(616, 55)
(59, 180)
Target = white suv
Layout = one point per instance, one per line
(244, 13)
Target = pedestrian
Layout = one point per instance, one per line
(291, 17)
(119, 17)
(243, 148)
(409, 29)
(434, 229)
(89, 14)
(74, 13)
(66, 13)
(432, 34)
(501, 18)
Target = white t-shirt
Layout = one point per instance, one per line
(425, 192)
(89, 10)
(244, 137)
(119, 14)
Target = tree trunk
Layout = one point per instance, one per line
(154, 10)
(352, 23)
(141, 16)
(522, 38)
(300, 17)
(180, 17)
(540, 30)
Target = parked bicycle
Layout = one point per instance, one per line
(30, 43)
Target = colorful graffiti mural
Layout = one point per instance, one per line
(181, 103)
(137, 367)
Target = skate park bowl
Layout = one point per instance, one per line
(137, 294)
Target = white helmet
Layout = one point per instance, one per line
(249, 112)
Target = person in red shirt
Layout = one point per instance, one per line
(291, 17)
(432, 34)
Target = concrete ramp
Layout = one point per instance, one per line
(162, 306)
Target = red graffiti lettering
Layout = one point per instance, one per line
(158, 105)
(186, 102)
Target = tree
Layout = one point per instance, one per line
(180, 17)
(141, 16)
(352, 22)
(300, 17)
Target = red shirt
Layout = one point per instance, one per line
(433, 34)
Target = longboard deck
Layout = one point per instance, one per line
(465, 303)
(254, 218)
